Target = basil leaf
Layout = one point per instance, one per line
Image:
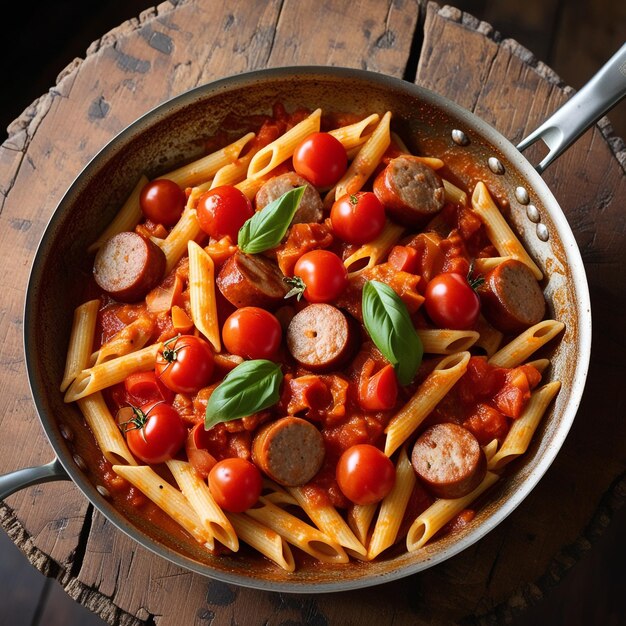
(388, 323)
(266, 228)
(252, 386)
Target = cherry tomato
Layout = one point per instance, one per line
(252, 333)
(235, 484)
(365, 474)
(358, 218)
(379, 393)
(185, 364)
(451, 302)
(162, 201)
(222, 211)
(155, 433)
(322, 276)
(146, 387)
(321, 159)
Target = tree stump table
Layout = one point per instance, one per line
(179, 45)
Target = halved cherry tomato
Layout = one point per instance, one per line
(379, 392)
(222, 211)
(358, 218)
(155, 433)
(321, 159)
(451, 302)
(196, 449)
(252, 333)
(320, 276)
(146, 387)
(235, 484)
(185, 364)
(405, 259)
(365, 474)
(162, 201)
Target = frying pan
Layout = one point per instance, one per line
(167, 136)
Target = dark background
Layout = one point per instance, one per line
(574, 37)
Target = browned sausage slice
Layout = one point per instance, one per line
(511, 297)
(247, 280)
(410, 191)
(449, 460)
(310, 209)
(128, 266)
(289, 450)
(320, 337)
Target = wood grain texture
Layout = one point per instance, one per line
(177, 46)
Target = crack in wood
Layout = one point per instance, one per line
(78, 555)
(417, 43)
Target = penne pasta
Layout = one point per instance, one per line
(355, 135)
(443, 341)
(186, 229)
(81, 341)
(489, 339)
(375, 251)
(424, 400)
(249, 187)
(517, 351)
(232, 173)
(360, 519)
(484, 265)
(498, 231)
(202, 294)
(130, 339)
(453, 194)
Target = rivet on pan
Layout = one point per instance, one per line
(495, 166)
(103, 491)
(459, 137)
(66, 433)
(79, 461)
(521, 195)
(533, 213)
(542, 232)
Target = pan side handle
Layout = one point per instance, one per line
(587, 106)
(20, 479)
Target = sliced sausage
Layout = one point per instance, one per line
(321, 337)
(410, 191)
(449, 460)
(289, 450)
(247, 280)
(511, 297)
(128, 266)
(310, 209)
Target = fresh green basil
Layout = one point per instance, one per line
(266, 228)
(388, 323)
(252, 386)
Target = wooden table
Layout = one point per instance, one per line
(180, 45)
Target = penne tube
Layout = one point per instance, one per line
(355, 135)
(517, 351)
(489, 338)
(249, 187)
(490, 449)
(365, 162)
(444, 341)
(300, 534)
(81, 341)
(484, 265)
(126, 219)
(438, 514)
(202, 294)
(498, 231)
(453, 194)
(112, 372)
(130, 339)
(375, 251)
(392, 508)
(166, 497)
(232, 173)
(186, 229)
(279, 150)
(276, 494)
(360, 519)
(523, 428)
(327, 519)
(425, 399)
(203, 169)
(105, 430)
(541, 365)
(268, 542)
(199, 497)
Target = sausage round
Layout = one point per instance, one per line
(247, 280)
(289, 450)
(410, 191)
(511, 297)
(449, 460)
(320, 337)
(310, 209)
(128, 266)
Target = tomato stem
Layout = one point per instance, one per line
(297, 285)
(474, 281)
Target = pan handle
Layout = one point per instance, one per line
(10, 483)
(584, 108)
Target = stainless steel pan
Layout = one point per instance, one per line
(168, 135)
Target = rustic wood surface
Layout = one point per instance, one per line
(177, 46)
